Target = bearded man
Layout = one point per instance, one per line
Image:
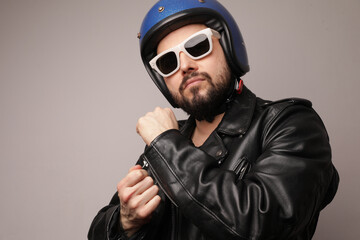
(239, 167)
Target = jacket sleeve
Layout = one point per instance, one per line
(101, 224)
(278, 197)
(106, 226)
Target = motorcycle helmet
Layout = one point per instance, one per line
(168, 15)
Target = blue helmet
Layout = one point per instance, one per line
(168, 15)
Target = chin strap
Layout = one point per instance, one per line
(239, 86)
(236, 88)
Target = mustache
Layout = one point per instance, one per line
(204, 75)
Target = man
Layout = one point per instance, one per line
(240, 167)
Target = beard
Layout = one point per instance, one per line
(205, 106)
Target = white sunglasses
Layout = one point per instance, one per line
(196, 46)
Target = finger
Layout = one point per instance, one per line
(150, 207)
(148, 194)
(131, 179)
(143, 185)
(172, 116)
(143, 122)
(134, 168)
(135, 202)
(169, 111)
(135, 176)
(157, 109)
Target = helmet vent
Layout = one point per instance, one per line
(202, 1)
(161, 9)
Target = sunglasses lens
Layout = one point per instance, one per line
(167, 63)
(198, 45)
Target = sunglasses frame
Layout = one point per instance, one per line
(208, 32)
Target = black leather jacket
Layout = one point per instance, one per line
(264, 173)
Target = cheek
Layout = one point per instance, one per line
(220, 62)
(171, 83)
(213, 62)
(211, 66)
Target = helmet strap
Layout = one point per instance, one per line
(239, 86)
(235, 89)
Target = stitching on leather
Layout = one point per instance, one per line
(159, 181)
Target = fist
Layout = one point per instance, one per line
(138, 198)
(154, 123)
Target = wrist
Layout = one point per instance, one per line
(127, 227)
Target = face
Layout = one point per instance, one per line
(199, 86)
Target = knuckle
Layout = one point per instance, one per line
(134, 204)
(148, 114)
(139, 174)
(136, 174)
(150, 180)
(142, 214)
(143, 173)
(121, 197)
(155, 188)
(140, 121)
(124, 194)
(119, 186)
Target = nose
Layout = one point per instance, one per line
(187, 64)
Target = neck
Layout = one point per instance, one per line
(204, 128)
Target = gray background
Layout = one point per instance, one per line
(72, 87)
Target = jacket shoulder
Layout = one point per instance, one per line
(283, 103)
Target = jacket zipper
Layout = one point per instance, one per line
(242, 167)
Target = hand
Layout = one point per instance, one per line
(154, 123)
(138, 198)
